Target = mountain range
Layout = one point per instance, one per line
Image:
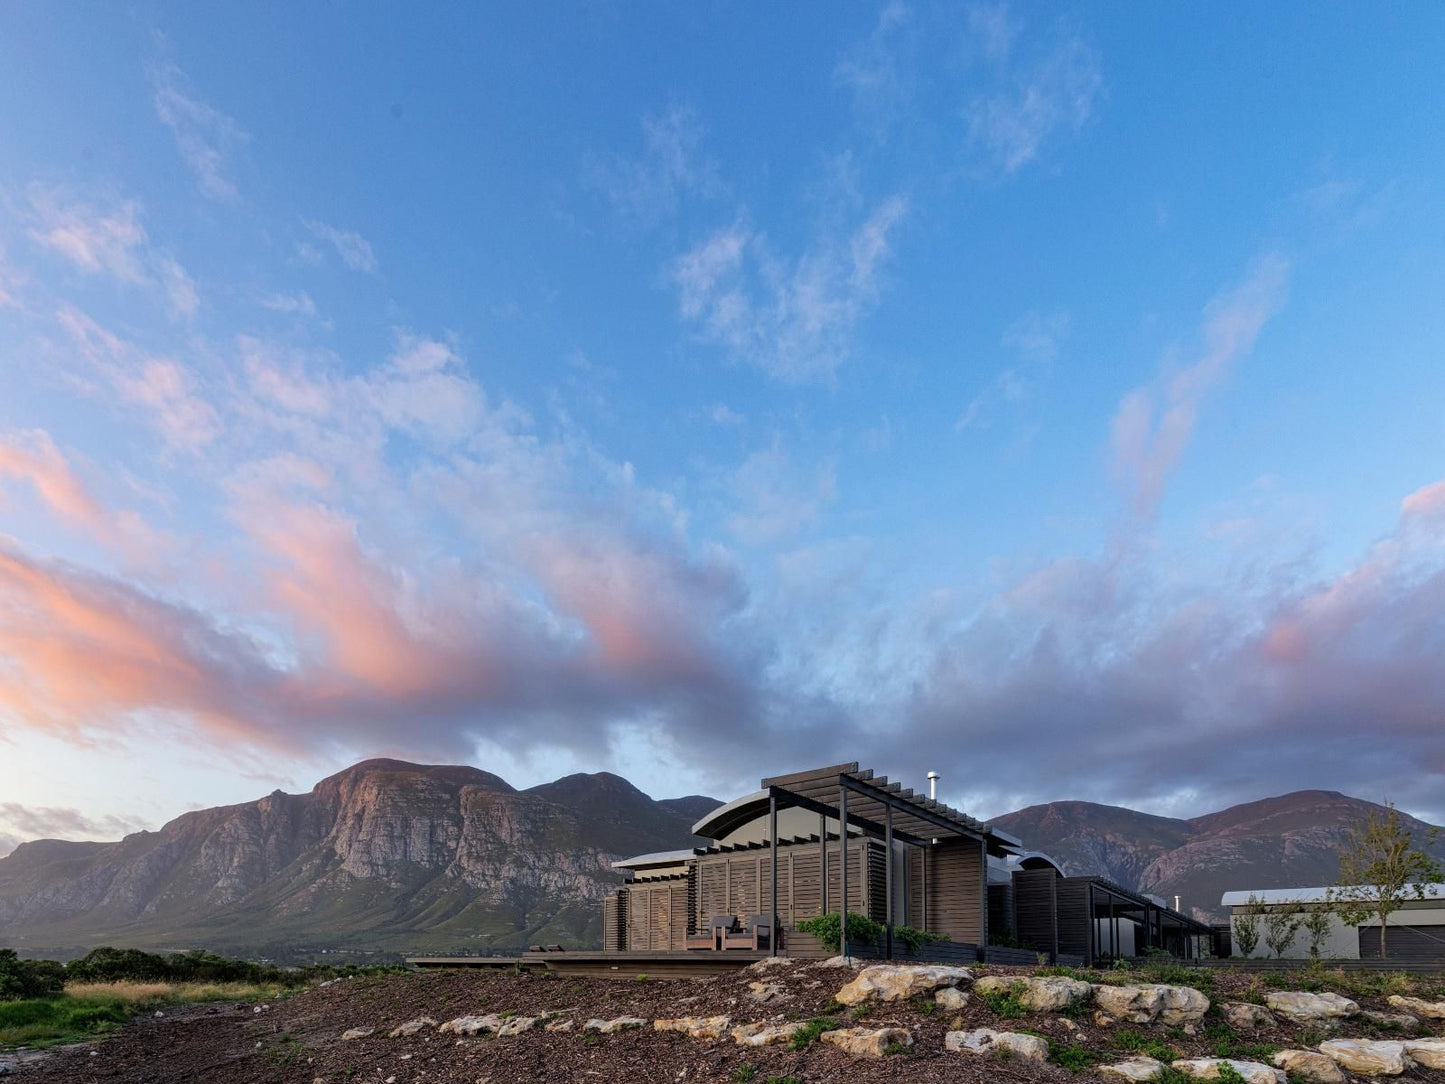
(1292, 841)
(389, 857)
(386, 856)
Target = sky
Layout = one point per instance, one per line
(1046, 395)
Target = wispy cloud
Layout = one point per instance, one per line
(1153, 423)
(795, 318)
(32, 456)
(299, 304)
(21, 823)
(163, 388)
(1035, 339)
(205, 137)
(645, 189)
(877, 69)
(353, 250)
(776, 498)
(1056, 94)
(109, 238)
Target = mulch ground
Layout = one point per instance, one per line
(297, 1040)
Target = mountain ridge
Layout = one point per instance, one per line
(386, 854)
(1290, 840)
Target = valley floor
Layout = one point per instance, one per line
(299, 1040)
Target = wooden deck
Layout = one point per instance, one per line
(619, 965)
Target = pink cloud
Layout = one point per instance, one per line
(1426, 503)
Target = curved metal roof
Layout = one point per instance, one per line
(726, 818)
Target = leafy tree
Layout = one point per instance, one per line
(1315, 921)
(1281, 923)
(1246, 925)
(1380, 869)
(25, 979)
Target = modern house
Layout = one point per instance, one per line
(1416, 931)
(910, 861)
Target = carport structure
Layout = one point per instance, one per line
(951, 878)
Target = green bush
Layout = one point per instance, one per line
(913, 938)
(1070, 1056)
(1006, 1002)
(809, 1032)
(828, 929)
(28, 978)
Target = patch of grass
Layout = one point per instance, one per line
(1226, 1044)
(591, 1038)
(860, 1011)
(1071, 1056)
(925, 1006)
(809, 1032)
(897, 1048)
(1127, 1039)
(1228, 1074)
(745, 1073)
(1063, 972)
(1006, 1002)
(1175, 975)
(45, 1022)
(643, 977)
(1171, 1075)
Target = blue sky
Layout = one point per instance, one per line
(564, 389)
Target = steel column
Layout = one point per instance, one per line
(823, 866)
(888, 877)
(773, 847)
(843, 871)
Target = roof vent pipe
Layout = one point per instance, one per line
(933, 778)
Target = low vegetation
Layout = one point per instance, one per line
(862, 930)
(44, 1002)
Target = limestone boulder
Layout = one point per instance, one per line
(1140, 1068)
(950, 999)
(356, 1033)
(1246, 1017)
(1004, 1043)
(1149, 1003)
(1431, 1010)
(899, 982)
(765, 1034)
(698, 1027)
(612, 1027)
(1252, 1072)
(1310, 1067)
(1399, 1021)
(516, 1025)
(868, 1042)
(1305, 1008)
(560, 1025)
(763, 992)
(1049, 994)
(411, 1027)
(1427, 1052)
(471, 1025)
(1367, 1057)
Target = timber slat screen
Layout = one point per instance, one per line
(1036, 916)
(956, 889)
(739, 883)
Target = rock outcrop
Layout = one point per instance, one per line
(1367, 1057)
(1431, 1010)
(1149, 1003)
(897, 982)
(868, 1042)
(1306, 1008)
(1252, 1072)
(1005, 1043)
(1140, 1068)
(1048, 994)
(1310, 1067)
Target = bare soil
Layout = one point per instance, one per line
(297, 1040)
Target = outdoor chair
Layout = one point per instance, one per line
(712, 937)
(757, 934)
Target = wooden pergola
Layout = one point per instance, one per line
(857, 798)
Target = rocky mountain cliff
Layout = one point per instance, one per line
(1292, 841)
(386, 854)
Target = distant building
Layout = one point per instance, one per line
(1416, 931)
(911, 861)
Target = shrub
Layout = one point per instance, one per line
(1070, 1056)
(1005, 1002)
(21, 979)
(809, 1032)
(1135, 1043)
(914, 939)
(828, 929)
